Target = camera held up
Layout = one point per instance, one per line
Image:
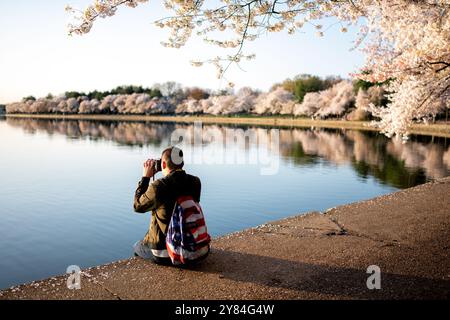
(157, 165)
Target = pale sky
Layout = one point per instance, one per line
(37, 56)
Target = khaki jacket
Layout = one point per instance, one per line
(159, 197)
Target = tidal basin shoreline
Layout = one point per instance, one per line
(311, 256)
(440, 129)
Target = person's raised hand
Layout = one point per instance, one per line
(149, 171)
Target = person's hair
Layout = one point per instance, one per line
(173, 157)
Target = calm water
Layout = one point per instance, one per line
(66, 187)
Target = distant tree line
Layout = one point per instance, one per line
(100, 95)
(304, 96)
(302, 84)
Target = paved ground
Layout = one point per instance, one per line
(313, 256)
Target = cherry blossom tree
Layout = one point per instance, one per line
(362, 102)
(278, 101)
(334, 101)
(406, 41)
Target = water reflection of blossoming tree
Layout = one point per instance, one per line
(369, 153)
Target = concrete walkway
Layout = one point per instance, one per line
(313, 256)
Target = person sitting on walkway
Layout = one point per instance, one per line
(160, 197)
